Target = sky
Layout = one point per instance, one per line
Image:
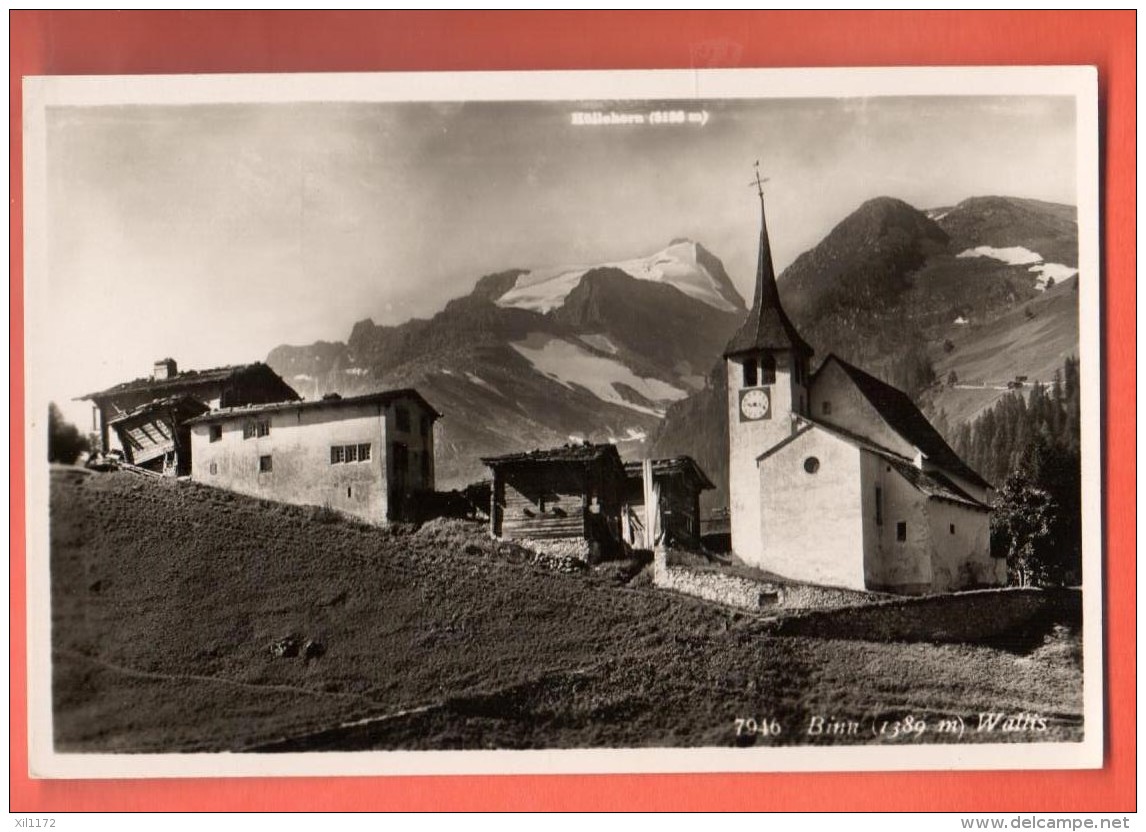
(214, 233)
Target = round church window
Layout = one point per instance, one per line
(811, 465)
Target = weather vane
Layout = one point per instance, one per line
(758, 182)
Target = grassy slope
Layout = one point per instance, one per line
(166, 597)
(1011, 345)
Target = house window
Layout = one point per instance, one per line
(826, 408)
(750, 377)
(768, 369)
(214, 468)
(349, 453)
(878, 506)
(901, 531)
(811, 465)
(402, 418)
(256, 427)
(952, 528)
(265, 464)
(215, 433)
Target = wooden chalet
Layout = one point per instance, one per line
(563, 500)
(678, 481)
(233, 386)
(154, 436)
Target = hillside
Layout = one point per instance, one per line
(167, 597)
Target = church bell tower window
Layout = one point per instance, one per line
(750, 372)
(768, 369)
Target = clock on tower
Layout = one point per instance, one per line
(755, 404)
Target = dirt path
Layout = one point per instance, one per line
(219, 680)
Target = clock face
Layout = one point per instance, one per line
(754, 405)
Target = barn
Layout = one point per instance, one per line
(677, 482)
(369, 456)
(565, 501)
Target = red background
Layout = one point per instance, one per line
(63, 43)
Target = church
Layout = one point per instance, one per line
(836, 477)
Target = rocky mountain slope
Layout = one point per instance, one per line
(539, 358)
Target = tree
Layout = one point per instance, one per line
(1021, 528)
(952, 378)
(65, 442)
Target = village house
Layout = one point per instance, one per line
(836, 478)
(677, 483)
(369, 456)
(141, 418)
(564, 501)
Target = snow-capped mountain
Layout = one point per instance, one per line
(536, 358)
(681, 265)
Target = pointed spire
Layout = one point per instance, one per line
(767, 327)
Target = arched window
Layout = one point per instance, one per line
(750, 372)
(768, 369)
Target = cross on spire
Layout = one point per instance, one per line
(758, 182)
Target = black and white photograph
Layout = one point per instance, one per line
(727, 420)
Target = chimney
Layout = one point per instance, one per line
(164, 368)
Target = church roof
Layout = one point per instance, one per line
(902, 416)
(767, 326)
(932, 484)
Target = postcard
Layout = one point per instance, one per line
(657, 421)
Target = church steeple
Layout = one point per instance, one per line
(767, 326)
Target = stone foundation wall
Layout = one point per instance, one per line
(566, 547)
(750, 593)
(975, 616)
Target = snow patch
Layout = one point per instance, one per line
(1019, 256)
(599, 342)
(543, 290)
(481, 382)
(355, 371)
(1012, 255)
(961, 321)
(1051, 271)
(303, 377)
(569, 364)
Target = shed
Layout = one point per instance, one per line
(564, 501)
(679, 481)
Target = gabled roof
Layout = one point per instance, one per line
(677, 465)
(385, 397)
(899, 411)
(181, 405)
(185, 380)
(585, 452)
(933, 484)
(767, 325)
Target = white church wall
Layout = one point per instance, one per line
(961, 548)
(849, 409)
(810, 522)
(891, 564)
(747, 440)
